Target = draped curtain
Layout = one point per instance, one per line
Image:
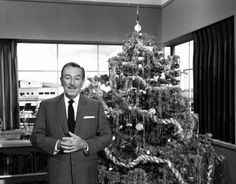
(213, 65)
(9, 107)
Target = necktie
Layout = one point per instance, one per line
(71, 117)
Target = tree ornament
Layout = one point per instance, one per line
(139, 126)
(137, 27)
(141, 58)
(152, 111)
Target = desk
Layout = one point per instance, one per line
(21, 162)
(14, 143)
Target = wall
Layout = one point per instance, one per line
(229, 152)
(182, 17)
(75, 21)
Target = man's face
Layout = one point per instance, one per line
(72, 81)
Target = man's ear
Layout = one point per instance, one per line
(61, 80)
(83, 84)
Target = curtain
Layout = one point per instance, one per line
(213, 65)
(9, 107)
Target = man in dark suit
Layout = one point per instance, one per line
(71, 136)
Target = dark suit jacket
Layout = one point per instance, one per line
(91, 125)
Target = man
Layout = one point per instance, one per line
(72, 148)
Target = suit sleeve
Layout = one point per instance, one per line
(39, 136)
(103, 137)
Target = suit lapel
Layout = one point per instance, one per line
(62, 113)
(80, 112)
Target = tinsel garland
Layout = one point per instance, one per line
(176, 123)
(149, 114)
(148, 158)
(210, 173)
(134, 78)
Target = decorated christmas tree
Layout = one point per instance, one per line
(155, 134)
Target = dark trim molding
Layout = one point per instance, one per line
(179, 40)
(94, 3)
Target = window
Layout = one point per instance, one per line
(185, 52)
(39, 70)
(43, 62)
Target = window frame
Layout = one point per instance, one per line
(29, 115)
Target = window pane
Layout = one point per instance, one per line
(185, 52)
(191, 54)
(167, 51)
(39, 70)
(84, 55)
(182, 51)
(91, 74)
(103, 73)
(46, 77)
(36, 56)
(106, 52)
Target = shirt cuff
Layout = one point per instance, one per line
(55, 149)
(86, 150)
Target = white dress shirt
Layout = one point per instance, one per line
(75, 107)
(75, 104)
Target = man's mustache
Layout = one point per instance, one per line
(72, 87)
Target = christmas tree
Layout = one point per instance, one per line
(155, 137)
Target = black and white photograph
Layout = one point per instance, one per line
(117, 92)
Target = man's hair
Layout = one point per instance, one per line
(75, 65)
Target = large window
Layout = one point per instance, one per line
(39, 70)
(43, 62)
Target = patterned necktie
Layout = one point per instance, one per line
(71, 117)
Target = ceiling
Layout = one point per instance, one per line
(132, 2)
